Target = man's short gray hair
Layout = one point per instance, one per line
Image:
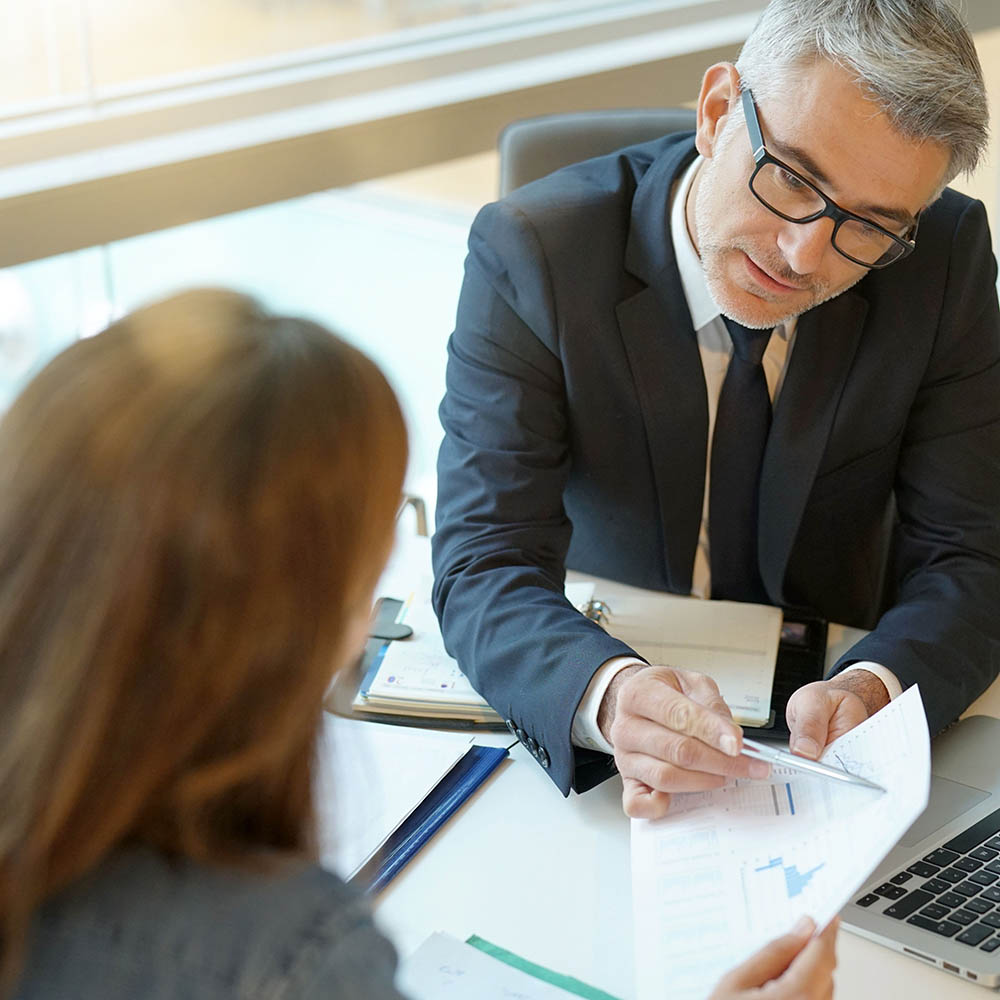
(914, 58)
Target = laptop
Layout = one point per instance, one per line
(936, 897)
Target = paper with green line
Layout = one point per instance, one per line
(567, 983)
(444, 968)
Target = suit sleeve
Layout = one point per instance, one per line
(942, 629)
(502, 532)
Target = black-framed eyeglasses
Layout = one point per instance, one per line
(789, 195)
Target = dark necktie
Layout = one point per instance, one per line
(742, 421)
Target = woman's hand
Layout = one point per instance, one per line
(796, 966)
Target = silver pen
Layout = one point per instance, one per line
(761, 751)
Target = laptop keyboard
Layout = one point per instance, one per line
(954, 891)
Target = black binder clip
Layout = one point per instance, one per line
(383, 624)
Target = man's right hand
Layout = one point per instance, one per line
(796, 966)
(671, 732)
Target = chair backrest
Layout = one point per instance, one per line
(534, 147)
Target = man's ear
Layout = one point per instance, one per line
(720, 91)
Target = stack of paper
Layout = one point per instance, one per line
(728, 870)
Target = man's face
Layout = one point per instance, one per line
(761, 269)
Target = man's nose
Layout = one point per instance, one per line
(804, 244)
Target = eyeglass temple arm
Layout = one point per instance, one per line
(753, 125)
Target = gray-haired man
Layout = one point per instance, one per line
(603, 411)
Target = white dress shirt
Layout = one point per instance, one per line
(715, 346)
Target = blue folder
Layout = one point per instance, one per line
(468, 773)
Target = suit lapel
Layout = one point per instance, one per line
(666, 366)
(662, 349)
(826, 340)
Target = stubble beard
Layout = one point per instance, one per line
(715, 253)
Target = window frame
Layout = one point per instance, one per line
(196, 145)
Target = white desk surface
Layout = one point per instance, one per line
(549, 878)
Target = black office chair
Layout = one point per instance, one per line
(534, 147)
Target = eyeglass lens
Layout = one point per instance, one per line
(785, 194)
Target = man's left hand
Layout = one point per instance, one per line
(820, 712)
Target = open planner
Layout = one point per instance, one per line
(416, 676)
(736, 644)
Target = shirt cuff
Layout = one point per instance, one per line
(886, 676)
(585, 731)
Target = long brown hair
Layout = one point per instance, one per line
(194, 508)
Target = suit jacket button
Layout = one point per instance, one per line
(511, 726)
(543, 757)
(521, 735)
(532, 746)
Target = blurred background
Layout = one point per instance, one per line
(325, 155)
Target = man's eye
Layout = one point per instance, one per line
(790, 181)
(873, 232)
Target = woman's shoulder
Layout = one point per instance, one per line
(145, 926)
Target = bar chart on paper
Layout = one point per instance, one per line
(794, 880)
(741, 798)
(788, 874)
(727, 870)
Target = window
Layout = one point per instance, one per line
(104, 206)
(381, 265)
(59, 48)
(178, 148)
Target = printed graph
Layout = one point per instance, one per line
(795, 881)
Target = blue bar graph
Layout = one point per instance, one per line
(795, 881)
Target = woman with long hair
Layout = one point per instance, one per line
(195, 506)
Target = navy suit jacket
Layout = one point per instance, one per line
(575, 422)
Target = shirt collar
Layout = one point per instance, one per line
(700, 303)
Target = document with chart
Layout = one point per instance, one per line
(728, 870)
